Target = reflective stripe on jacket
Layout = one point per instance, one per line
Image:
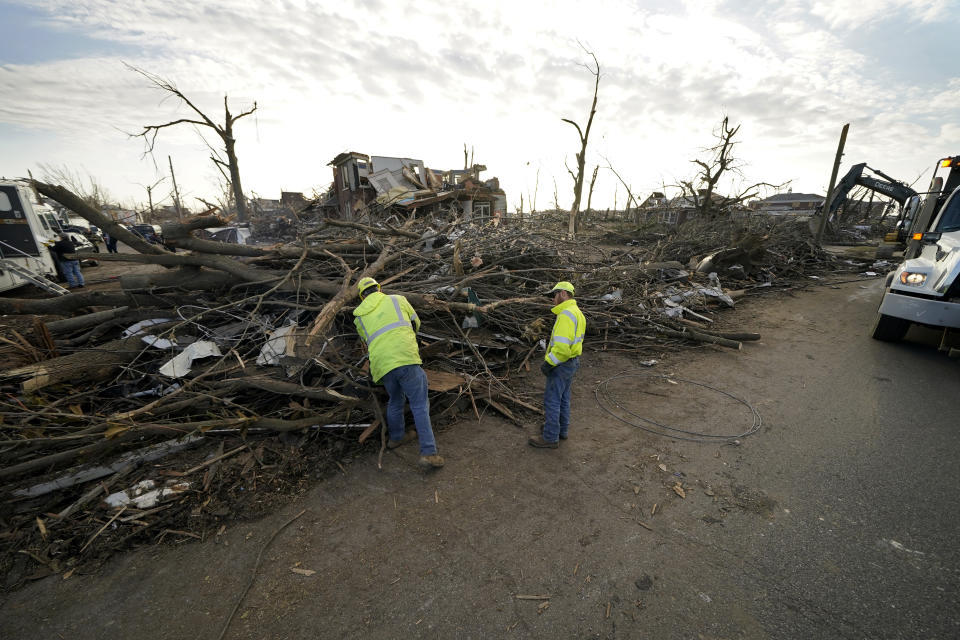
(566, 340)
(388, 325)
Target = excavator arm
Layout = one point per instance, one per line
(891, 188)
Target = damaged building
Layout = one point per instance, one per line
(362, 182)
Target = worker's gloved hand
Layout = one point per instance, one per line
(546, 368)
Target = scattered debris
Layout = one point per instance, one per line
(271, 386)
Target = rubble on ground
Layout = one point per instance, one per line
(159, 409)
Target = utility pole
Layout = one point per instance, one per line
(833, 181)
(150, 188)
(176, 194)
(150, 203)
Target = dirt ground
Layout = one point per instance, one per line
(618, 534)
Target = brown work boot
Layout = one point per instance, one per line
(540, 443)
(430, 462)
(407, 437)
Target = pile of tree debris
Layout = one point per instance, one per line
(159, 409)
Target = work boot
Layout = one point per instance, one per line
(430, 462)
(563, 437)
(540, 443)
(407, 437)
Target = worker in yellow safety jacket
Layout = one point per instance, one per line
(559, 365)
(388, 325)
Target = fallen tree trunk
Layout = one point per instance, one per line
(389, 231)
(346, 293)
(54, 459)
(741, 336)
(85, 366)
(696, 336)
(84, 210)
(280, 387)
(88, 320)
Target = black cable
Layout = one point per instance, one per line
(605, 402)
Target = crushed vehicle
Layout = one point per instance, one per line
(27, 229)
(925, 288)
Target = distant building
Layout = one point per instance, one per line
(292, 200)
(788, 204)
(677, 210)
(362, 183)
(352, 193)
(119, 214)
(265, 205)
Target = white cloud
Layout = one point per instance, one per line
(853, 14)
(420, 80)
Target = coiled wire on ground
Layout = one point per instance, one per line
(605, 402)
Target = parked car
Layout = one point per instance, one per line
(91, 237)
(81, 242)
(149, 232)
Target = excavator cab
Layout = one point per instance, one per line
(910, 209)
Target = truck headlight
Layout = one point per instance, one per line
(912, 278)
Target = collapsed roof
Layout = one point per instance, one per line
(361, 181)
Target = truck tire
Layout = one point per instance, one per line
(889, 329)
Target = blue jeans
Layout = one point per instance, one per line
(409, 382)
(71, 271)
(556, 400)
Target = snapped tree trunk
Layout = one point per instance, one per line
(582, 154)
(230, 145)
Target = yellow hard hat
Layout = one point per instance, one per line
(366, 283)
(562, 286)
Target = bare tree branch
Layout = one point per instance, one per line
(584, 138)
(701, 189)
(224, 132)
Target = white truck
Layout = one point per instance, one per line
(27, 230)
(925, 288)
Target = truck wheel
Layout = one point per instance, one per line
(889, 329)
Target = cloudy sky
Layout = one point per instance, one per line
(420, 79)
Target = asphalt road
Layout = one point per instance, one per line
(837, 519)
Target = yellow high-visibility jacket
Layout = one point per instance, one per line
(388, 326)
(566, 340)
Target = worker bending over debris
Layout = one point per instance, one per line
(559, 365)
(388, 325)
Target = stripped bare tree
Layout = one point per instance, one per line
(87, 187)
(700, 191)
(584, 134)
(630, 198)
(224, 132)
(532, 197)
(593, 181)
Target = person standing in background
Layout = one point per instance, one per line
(62, 248)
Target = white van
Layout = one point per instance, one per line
(27, 231)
